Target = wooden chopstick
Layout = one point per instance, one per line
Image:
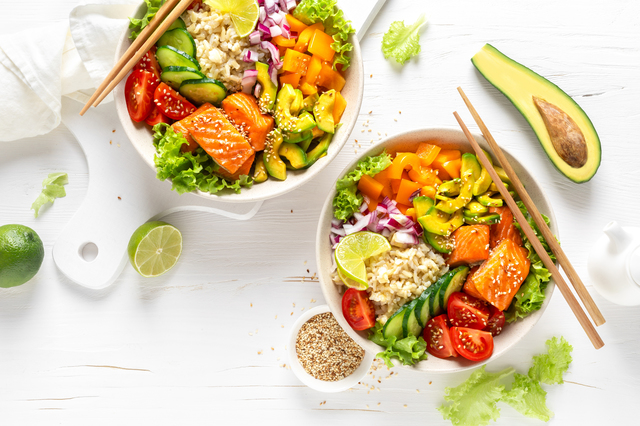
(152, 32)
(559, 280)
(584, 295)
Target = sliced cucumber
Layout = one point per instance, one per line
(393, 326)
(169, 56)
(458, 276)
(435, 308)
(438, 242)
(422, 308)
(178, 23)
(203, 90)
(180, 39)
(410, 326)
(174, 76)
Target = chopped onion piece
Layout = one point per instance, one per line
(263, 15)
(405, 238)
(414, 194)
(336, 223)
(290, 4)
(257, 91)
(275, 31)
(286, 30)
(248, 80)
(250, 56)
(254, 38)
(277, 18)
(270, 6)
(264, 29)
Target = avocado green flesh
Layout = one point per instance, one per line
(269, 89)
(519, 84)
(272, 161)
(292, 152)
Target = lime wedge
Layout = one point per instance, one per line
(351, 253)
(154, 248)
(244, 13)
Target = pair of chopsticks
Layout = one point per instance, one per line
(147, 38)
(546, 232)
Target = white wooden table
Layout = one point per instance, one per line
(205, 343)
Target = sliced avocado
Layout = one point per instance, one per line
(484, 180)
(296, 105)
(487, 219)
(284, 119)
(502, 175)
(422, 205)
(323, 111)
(440, 243)
(469, 170)
(450, 188)
(294, 154)
(310, 101)
(562, 127)
(272, 161)
(259, 171)
(320, 150)
(440, 223)
(297, 137)
(269, 88)
(486, 200)
(476, 208)
(304, 145)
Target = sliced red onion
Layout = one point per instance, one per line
(414, 194)
(381, 209)
(273, 73)
(290, 4)
(248, 80)
(335, 239)
(275, 31)
(257, 91)
(336, 223)
(358, 216)
(286, 30)
(360, 225)
(339, 231)
(386, 233)
(273, 50)
(403, 220)
(254, 38)
(269, 22)
(405, 238)
(270, 6)
(277, 18)
(260, 2)
(263, 14)
(264, 29)
(282, 4)
(250, 56)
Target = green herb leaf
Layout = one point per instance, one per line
(52, 188)
(402, 42)
(528, 398)
(549, 368)
(137, 25)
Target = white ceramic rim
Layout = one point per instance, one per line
(353, 93)
(453, 138)
(309, 380)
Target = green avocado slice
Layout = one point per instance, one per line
(531, 93)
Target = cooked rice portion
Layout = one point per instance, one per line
(399, 276)
(219, 50)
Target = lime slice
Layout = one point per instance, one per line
(154, 248)
(244, 13)
(351, 253)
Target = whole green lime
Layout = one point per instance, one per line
(21, 254)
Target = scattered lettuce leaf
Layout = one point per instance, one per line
(408, 350)
(328, 12)
(474, 402)
(347, 201)
(528, 398)
(137, 25)
(548, 368)
(402, 42)
(52, 188)
(187, 171)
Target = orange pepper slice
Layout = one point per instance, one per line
(370, 187)
(427, 153)
(320, 44)
(295, 24)
(303, 38)
(295, 62)
(283, 42)
(403, 160)
(291, 78)
(405, 190)
(453, 168)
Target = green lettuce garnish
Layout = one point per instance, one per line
(347, 201)
(402, 42)
(549, 368)
(528, 398)
(52, 188)
(328, 12)
(408, 350)
(137, 25)
(187, 171)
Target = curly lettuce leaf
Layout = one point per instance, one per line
(528, 398)
(474, 402)
(402, 42)
(347, 201)
(549, 368)
(137, 25)
(52, 188)
(327, 12)
(187, 171)
(408, 350)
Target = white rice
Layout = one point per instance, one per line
(219, 50)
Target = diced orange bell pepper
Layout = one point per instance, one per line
(428, 191)
(446, 155)
(308, 89)
(283, 42)
(453, 168)
(405, 190)
(338, 108)
(403, 208)
(303, 38)
(383, 178)
(295, 61)
(290, 78)
(314, 68)
(395, 183)
(295, 24)
(370, 187)
(411, 212)
(320, 44)
(330, 79)
(403, 160)
(427, 153)
(424, 175)
(372, 203)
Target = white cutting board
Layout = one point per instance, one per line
(123, 194)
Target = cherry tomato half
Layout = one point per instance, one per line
(438, 338)
(148, 62)
(171, 103)
(139, 91)
(358, 309)
(474, 345)
(156, 117)
(496, 321)
(467, 311)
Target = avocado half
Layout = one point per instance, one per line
(522, 86)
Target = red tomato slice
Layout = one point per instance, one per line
(171, 103)
(474, 345)
(156, 117)
(358, 309)
(438, 338)
(149, 63)
(496, 321)
(467, 311)
(139, 91)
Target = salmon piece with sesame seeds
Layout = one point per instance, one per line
(499, 278)
(471, 245)
(245, 169)
(181, 127)
(243, 111)
(505, 229)
(469, 285)
(220, 139)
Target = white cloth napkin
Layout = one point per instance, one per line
(40, 65)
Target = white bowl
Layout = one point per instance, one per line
(448, 138)
(308, 379)
(140, 134)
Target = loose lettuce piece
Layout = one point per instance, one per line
(187, 171)
(528, 398)
(327, 12)
(408, 350)
(52, 188)
(402, 42)
(548, 368)
(473, 403)
(347, 201)
(137, 25)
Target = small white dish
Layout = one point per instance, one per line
(308, 379)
